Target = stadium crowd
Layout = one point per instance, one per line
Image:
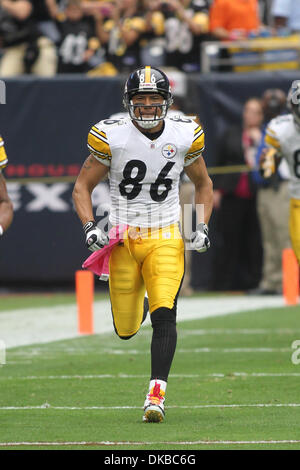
(108, 37)
(46, 37)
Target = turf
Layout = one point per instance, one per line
(15, 302)
(212, 371)
(30, 300)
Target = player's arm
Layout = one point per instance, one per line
(91, 173)
(197, 172)
(268, 162)
(195, 168)
(94, 169)
(6, 207)
(271, 155)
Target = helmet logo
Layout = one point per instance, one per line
(147, 79)
(169, 151)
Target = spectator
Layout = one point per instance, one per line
(286, 15)
(239, 256)
(234, 19)
(272, 201)
(45, 13)
(78, 41)
(265, 12)
(24, 49)
(153, 43)
(120, 27)
(185, 26)
(17, 30)
(48, 36)
(53, 8)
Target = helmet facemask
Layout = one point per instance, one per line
(295, 108)
(293, 101)
(145, 120)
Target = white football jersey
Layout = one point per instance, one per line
(284, 135)
(143, 173)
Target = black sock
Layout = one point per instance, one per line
(146, 309)
(163, 345)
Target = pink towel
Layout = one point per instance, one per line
(98, 261)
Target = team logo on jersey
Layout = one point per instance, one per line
(169, 151)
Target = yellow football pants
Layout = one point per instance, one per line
(148, 260)
(294, 226)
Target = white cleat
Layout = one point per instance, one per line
(154, 410)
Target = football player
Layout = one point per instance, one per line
(145, 155)
(283, 141)
(6, 208)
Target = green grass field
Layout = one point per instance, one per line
(232, 379)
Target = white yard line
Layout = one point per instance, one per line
(142, 376)
(141, 443)
(239, 331)
(136, 352)
(47, 406)
(43, 325)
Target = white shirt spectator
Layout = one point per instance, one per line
(289, 9)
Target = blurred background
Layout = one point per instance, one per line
(64, 64)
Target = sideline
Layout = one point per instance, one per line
(46, 324)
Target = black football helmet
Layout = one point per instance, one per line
(147, 80)
(293, 101)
